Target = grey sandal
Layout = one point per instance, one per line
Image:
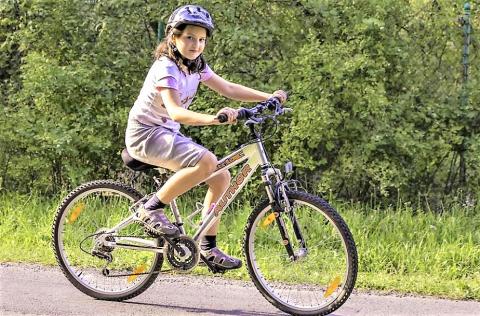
(221, 260)
(156, 222)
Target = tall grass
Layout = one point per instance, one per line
(419, 252)
(25, 228)
(399, 249)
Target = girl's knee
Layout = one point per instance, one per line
(208, 163)
(221, 181)
(225, 177)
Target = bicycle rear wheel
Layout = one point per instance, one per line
(79, 228)
(323, 273)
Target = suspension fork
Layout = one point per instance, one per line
(283, 232)
(283, 205)
(277, 194)
(291, 214)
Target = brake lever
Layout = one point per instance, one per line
(279, 110)
(254, 120)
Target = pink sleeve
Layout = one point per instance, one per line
(206, 73)
(167, 82)
(165, 74)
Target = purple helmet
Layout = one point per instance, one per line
(192, 15)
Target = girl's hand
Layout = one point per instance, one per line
(231, 114)
(280, 95)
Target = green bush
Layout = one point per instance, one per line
(375, 86)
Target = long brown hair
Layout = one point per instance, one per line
(168, 49)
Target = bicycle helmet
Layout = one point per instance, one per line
(192, 15)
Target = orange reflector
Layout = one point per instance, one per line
(267, 221)
(136, 271)
(76, 212)
(332, 287)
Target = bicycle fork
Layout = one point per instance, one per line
(278, 196)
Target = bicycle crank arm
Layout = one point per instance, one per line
(175, 246)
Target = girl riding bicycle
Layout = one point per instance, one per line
(153, 135)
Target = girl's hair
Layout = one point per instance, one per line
(168, 49)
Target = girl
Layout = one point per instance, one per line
(153, 135)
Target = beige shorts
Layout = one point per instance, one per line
(162, 147)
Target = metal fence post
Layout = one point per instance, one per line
(467, 30)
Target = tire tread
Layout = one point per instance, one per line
(346, 234)
(110, 184)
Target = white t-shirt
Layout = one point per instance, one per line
(164, 73)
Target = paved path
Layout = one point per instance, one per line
(39, 290)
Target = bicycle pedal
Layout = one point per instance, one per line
(220, 270)
(211, 267)
(153, 233)
(150, 233)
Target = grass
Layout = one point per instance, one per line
(399, 250)
(426, 253)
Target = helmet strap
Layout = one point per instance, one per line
(185, 61)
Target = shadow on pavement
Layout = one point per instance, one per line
(209, 310)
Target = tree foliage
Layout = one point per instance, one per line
(375, 86)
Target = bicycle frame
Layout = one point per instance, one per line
(253, 154)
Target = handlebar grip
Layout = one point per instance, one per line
(222, 117)
(273, 103)
(243, 114)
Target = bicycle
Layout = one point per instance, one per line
(107, 254)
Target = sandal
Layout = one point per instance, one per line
(221, 260)
(156, 222)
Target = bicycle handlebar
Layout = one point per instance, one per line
(245, 114)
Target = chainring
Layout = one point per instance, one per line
(186, 262)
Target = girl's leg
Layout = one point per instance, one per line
(152, 215)
(208, 245)
(216, 187)
(186, 178)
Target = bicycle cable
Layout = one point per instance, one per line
(107, 274)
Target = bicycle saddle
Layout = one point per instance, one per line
(135, 164)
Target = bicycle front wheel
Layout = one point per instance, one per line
(80, 234)
(318, 273)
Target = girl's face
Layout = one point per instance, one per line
(191, 42)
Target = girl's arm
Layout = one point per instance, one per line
(235, 91)
(171, 101)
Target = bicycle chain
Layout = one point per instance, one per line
(105, 270)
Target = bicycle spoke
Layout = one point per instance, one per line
(325, 257)
(81, 241)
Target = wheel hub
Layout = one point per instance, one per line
(100, 249)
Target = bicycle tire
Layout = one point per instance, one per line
(333, 224)
(104, 189)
